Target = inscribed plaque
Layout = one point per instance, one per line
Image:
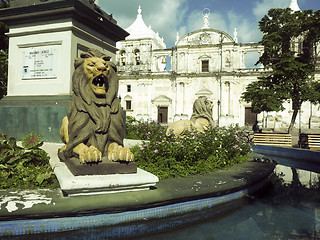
(39, 62)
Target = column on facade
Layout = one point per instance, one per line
(144, 102)
(224, 100)
(226, 108)
(180, 98)
(229, 98)
(242, 59)
(148, 100)
(176, 96)
(139, 109)
(219, 98)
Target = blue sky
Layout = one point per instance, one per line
(184, 16)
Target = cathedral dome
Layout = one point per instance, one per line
(139, 30)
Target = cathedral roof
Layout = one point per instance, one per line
(139, 30)
(205, 37)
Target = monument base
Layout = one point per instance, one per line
(100, 168)
(101, 184)
(72, 185)
(21, 115)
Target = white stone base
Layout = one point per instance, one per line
(96, 184)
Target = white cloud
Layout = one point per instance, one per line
(169, 17)
(165, 16)
(262, 8)
(218, 21)
(247, 30)
(227, 21)
(194, 21)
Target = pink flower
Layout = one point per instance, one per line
(182, 146)
(156, 150)
(195, 149)
(141, 148)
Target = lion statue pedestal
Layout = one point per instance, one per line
(93, 130)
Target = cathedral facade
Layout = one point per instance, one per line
(207, 62)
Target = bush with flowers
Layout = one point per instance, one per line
(143, 130)
(168, 156)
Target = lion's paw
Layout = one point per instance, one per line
(89, 154)
(119, 153)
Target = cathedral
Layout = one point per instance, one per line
(162, 84)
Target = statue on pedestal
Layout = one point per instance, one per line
(93, 130)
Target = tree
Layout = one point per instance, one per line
(3, 54)
(290, 53)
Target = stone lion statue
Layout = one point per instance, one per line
(200, 118)
(94, 127)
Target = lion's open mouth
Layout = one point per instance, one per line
(99, 81)
(99, 85)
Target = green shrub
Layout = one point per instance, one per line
(143, 130)
(168, 156)
(25, 167)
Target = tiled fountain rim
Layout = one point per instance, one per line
(173, 196)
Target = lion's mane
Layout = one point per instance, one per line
(202, 109)
(94, 121)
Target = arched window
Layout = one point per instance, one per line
(123, 58)
(128, 100)
(137, 56)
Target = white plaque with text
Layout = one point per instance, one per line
(39, 62)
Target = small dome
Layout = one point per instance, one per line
(139, 30)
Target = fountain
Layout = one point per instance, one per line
(100, 185)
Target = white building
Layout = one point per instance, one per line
(206, 62)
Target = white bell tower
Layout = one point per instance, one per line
(294, 5)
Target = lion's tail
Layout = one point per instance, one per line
(64, 134)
